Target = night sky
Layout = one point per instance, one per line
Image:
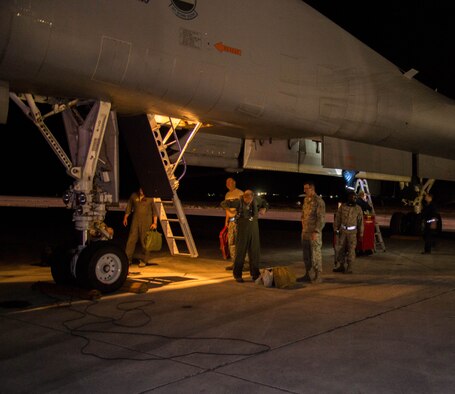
(415, 34)
(411, 34)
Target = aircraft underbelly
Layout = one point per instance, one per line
(21, 54)
(271, 81)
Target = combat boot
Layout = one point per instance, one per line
(141, 264)
(339, 269)
(348, 269)
(317, 277)
(304, 278)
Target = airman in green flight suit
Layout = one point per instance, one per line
(248, 208)
(144, 218)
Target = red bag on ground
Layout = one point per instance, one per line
(224, 245)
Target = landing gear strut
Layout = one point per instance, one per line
(411, 223)
(95, 263)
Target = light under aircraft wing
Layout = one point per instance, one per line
(256, 70)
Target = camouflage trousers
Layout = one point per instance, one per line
(345, 247)
(312, 255)
(232, 238)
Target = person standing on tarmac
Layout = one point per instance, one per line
(313, 221)
(144, 218)
(430, 222)
(363, 203)
(348, 226)
(230, 222)
(248, 208)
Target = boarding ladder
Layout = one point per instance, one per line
(362, 185)
(170, 212)
(175, 227)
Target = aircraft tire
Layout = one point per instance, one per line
(60, 263)
(103, 266)
(414, 223)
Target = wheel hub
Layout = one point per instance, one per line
(108, 268)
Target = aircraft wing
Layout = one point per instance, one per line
(262, 72)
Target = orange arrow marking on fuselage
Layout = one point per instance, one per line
(224, 48)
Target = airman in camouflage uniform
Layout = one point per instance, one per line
(348, 226)
(313, 221)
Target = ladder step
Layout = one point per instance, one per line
(170, 220)
(183, 254)
(177, 238)
(167, 145)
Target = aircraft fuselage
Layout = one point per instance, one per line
(250, 69)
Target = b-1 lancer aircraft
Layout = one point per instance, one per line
(262, 84)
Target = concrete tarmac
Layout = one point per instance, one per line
(388, 328)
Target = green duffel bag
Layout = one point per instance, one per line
(153, 241)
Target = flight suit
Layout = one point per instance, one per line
(143, 213)
(348, 225)
(313, 221)
(247, 234)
